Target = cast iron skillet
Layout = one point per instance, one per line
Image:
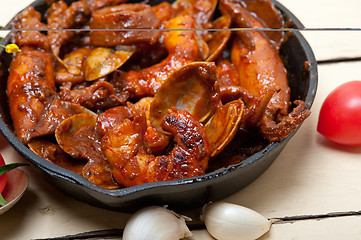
(179, 194)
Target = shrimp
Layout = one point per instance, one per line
(131, 162)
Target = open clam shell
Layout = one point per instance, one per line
(55, 154)
(219, 39)
(190, 88)
(102, 61)
(70, 131)
(74, 60)
(223, 125)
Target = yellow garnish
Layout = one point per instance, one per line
(11, 48)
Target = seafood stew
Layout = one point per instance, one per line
(100, 106)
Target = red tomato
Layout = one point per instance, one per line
(2, 177)
(340, 115)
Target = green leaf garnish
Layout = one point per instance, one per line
(3, 202)
(11, 166)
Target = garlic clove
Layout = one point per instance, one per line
(156, 223)
(226, 221)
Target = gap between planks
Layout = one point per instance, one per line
(117, 233)
(291, 219)
(338, 60)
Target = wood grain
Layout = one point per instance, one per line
(313, 186)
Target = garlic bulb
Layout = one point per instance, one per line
(226, 221)
(156, 223)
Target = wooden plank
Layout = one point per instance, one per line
(9, 8)
(325, 13)
(311, 175)
(329, 14)
(329, 228)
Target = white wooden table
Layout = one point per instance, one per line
(314, 183)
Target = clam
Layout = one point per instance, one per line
(223, 125)
(203, 49)
(57, 111)
(72, 134)
(70, 67)
(192, 88)
(53, 153)
(73, 61)
(102, 61)
(219, 39)
(76, 136)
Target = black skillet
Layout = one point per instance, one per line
(180, 194)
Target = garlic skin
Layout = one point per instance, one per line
(226, 221)
(156, 223)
